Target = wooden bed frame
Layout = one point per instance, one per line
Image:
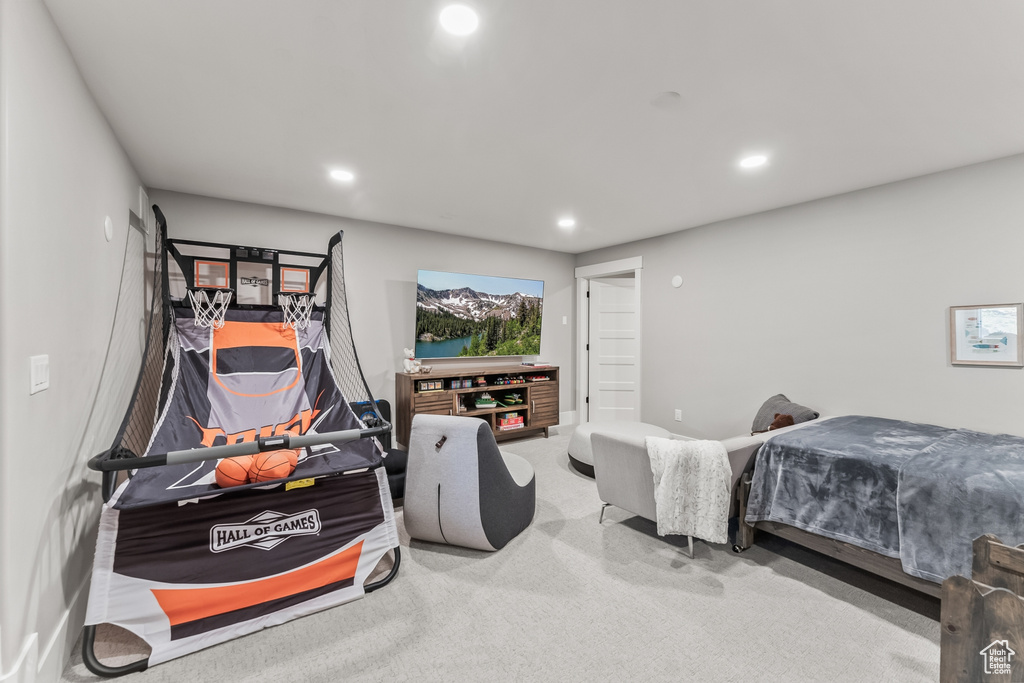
(887, 567)
(982, 612)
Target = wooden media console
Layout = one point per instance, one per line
(441, 392)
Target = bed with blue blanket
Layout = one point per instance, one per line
(915, 495)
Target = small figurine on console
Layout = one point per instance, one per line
(411, 365)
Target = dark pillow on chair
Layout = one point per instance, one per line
(780, 404)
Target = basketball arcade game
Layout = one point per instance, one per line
(248, 351)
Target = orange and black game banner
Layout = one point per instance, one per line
(216, 563)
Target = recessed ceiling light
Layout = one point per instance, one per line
(566, 222)
(754, 161)
(459, 20)
(343, 175)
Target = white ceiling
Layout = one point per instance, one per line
(552, 107)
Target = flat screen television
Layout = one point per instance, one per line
(460, 315)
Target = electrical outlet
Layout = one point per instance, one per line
(679, 415)
(40, 373)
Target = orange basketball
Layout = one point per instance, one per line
(292, 454)
(271, 465)
(233, 471)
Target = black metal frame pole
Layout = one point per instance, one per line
(370, 587)
(105, 463)
(93, 664)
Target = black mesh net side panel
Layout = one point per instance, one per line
(126, 344)
(137, 427)
(344, 361)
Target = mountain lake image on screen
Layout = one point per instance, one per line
(460, 315)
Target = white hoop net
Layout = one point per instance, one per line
(209, 306)
(297, 309)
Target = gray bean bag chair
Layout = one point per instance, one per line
(460, 489)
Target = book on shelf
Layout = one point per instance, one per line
(508, 428)
(538, 364)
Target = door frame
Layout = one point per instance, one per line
(635, 265)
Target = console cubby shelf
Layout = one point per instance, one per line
(539, 408)
(489, 387)
(476, 412)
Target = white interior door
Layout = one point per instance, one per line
(614, 367)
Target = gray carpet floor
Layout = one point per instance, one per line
(572, 600)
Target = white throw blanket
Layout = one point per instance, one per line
(691, 487)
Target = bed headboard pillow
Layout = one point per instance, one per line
(780, 404)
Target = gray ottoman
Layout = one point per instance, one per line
(581, 455)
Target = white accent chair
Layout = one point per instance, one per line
(622, 470)
(624, 478)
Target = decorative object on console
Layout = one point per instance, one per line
(518, 379)
(509, 421)
(779, 404)
(410, 363)
(987, 335)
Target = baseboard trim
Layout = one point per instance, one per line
(54, 657)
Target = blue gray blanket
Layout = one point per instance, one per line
(918, 492)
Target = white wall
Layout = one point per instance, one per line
(840, 303)
(61, 173)
(380, 273)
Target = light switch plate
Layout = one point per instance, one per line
(679, 415)
(40, 373)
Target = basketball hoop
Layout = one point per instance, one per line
(297, 308)
(209, 305)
